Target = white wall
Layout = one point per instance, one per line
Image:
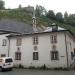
(44, 48)
(70, 47)
(3, 49)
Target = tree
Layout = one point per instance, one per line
(59, 17)
(20, 6)
(40, 10)
(65, 17)
(2, 3)
(71, 19)
(51, 14)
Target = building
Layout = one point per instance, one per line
(53, 47)
(10, 27)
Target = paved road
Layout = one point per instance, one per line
(36, 72)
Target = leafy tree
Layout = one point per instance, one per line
(40, 10)
(71, 19)
(51, 14)
(59, 17)
(2, 3)
(65, 17)
(20, 6)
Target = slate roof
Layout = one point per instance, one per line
(15, 26)
(7, 25)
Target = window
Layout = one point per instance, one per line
(3, 55)
(54, 55)
(71, 55)
(4, 42)
(19, 42)
(35, 40)
(74, 51)
(8, 60)
(54, 28)
(17, 55)
(35, 55)
(53, 38)
(1, 60)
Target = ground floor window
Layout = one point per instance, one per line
(17, 55)
(74, 51)
(72, 55)
(54, 55)
(35, 55)
(3, 55)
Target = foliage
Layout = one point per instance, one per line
(65, 17)
(20, 6)
(51, 14)
(59, 17)
(40, 10)
(2, 3)
(25, 14)
(71, 19)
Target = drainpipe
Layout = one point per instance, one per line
(8, 46)
(66, 51)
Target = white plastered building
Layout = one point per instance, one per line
(53, 47)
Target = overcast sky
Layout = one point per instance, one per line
(56, 5)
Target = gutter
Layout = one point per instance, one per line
(8, 46)
(66, 51)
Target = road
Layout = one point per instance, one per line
(36, 72)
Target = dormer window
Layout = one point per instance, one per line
(54, 28)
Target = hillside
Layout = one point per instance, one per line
(26, 16)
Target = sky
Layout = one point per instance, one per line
(55, 5)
